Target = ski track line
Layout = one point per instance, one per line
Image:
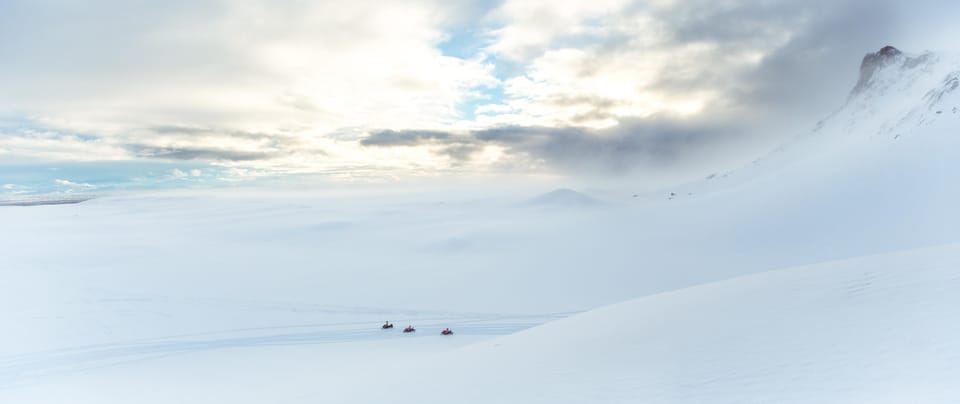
(17, 369)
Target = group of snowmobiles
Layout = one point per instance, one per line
(387, 325)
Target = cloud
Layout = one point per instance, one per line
(180, 174)
(596, 64)
(42, 144)
(71, 184)
(197, 153)
(623, 86)
(302, 69)
(567, 86)
(403, 137)
(635, 145)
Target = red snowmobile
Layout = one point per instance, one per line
(409, 329)
(446, 331)
(386, 326)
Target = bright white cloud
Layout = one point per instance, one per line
(46, 145)
(71, 184)
(301, 69)
(528, 28)
(178, 173)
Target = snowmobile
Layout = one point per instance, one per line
(446, 331)
(409, 329)
(387, 326)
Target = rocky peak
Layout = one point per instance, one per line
(886, 51)
(873, 62)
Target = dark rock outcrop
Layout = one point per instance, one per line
(873, 62)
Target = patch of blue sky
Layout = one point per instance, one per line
(468, 41)
(18, 125)
(484, 96)
(465, 43)
(11, 124)
(30, 179)
(12, 120)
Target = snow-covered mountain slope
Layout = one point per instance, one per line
(900, 94)
(878, 175)
(878, 329)
(899, 100)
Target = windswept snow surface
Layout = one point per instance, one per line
(879, 329)
(276, 295)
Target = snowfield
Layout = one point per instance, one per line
(874, 329)
(276, 295)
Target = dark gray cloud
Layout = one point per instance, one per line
(729, 22)
(461, 152)
(403, 137)
(807, 74)
(198, 153)
(268, 145)
(460, 149)
(813, 73)
(635, 144)
(578, 149)
(273, 139)
(631, 145)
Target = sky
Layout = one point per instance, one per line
(119, 93)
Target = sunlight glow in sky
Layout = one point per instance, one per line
(419, 87)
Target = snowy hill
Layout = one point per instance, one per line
(875, 329)
(563, 198)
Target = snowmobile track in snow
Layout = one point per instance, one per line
(15, 369)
